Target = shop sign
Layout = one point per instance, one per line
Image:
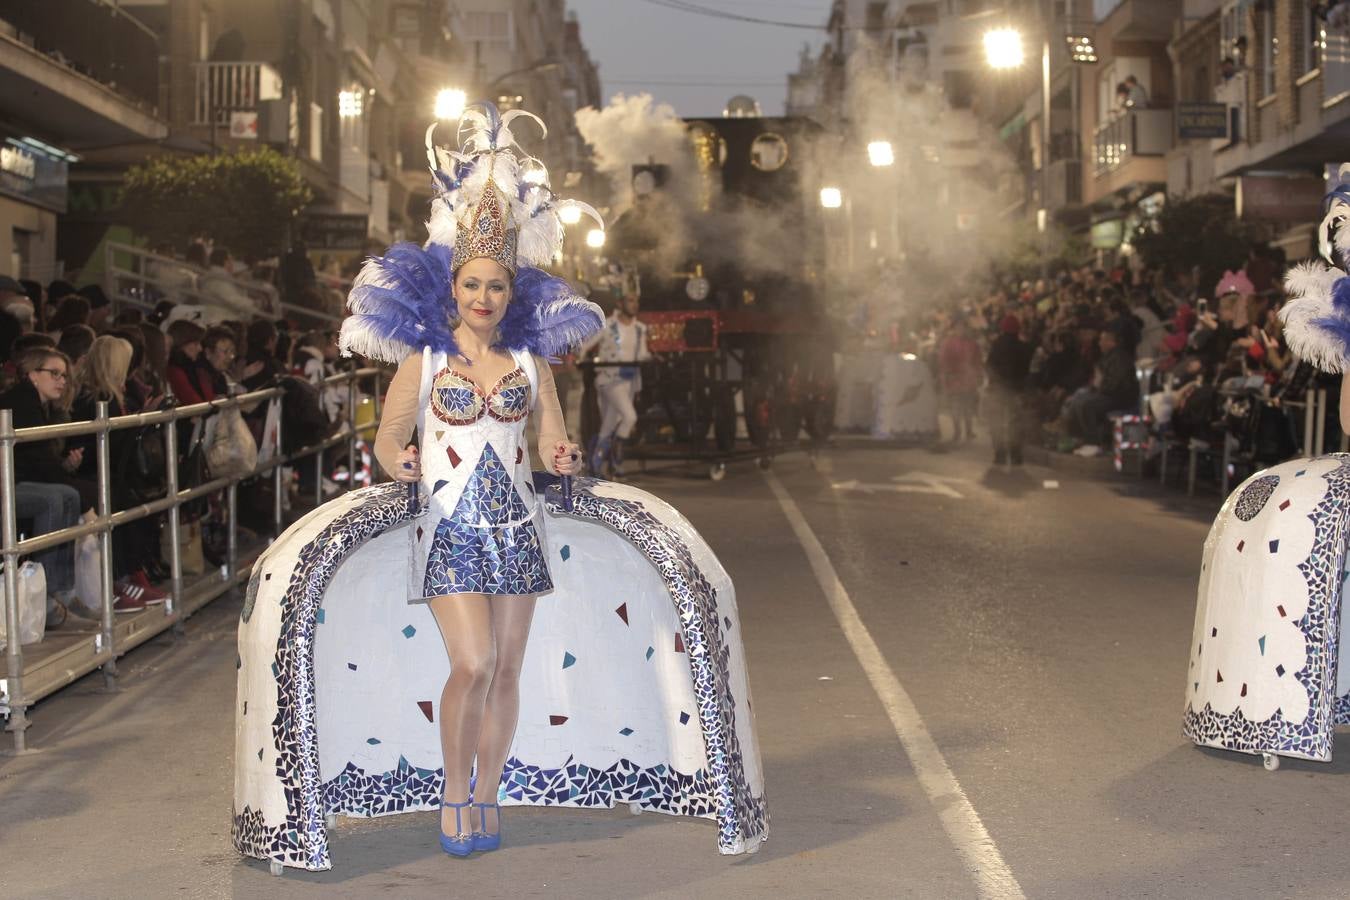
(30, 175)
(1202, 121)
(335, 231)
(1276, 198)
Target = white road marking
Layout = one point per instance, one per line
(912, 483)
(993, 878)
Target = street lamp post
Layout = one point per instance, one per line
(1003, 50)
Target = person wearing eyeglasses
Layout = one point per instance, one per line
(47, 490)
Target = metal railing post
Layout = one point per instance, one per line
(351, 429)
(105, 542)
(175, 522)
(277, 471)
(1306, 446)
(9, 528)
(232, 529)
(1319, 440)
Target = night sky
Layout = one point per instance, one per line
(695, 62)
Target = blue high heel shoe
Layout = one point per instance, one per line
(487, 841)
(461, 844)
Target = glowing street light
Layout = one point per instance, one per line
(1003, 48)
(569, 215)
(595, 238)
(450, 104)
(831, 197)
(349, 104)
(880, 153)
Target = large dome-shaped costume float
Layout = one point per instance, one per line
(633, 688)
(1269, 674)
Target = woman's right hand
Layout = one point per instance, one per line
(408, 468)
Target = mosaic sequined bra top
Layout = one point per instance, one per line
(457, 400)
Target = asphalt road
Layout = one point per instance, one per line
(1040, 634)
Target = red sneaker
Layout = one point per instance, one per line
(130, 598)
(153, 596)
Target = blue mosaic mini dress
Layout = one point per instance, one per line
(478, 535)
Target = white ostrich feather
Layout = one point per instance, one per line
(521, 179)
(1309, 285)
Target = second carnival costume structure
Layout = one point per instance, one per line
(1269, 667)
(634, 688)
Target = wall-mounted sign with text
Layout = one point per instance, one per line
(1202, 121)
(31, 174)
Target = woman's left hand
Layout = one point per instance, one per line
(567, 459)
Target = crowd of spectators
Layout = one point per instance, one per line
(1058, 356)
(209, 335)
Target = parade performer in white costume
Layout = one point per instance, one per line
(622, 340)
(330, 646)
(1269, 667)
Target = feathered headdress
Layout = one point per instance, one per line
(490, 202)
(1317, 314)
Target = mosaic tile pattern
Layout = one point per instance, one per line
(1310, 738)
(456, 399)
(466, 559)
(741, 816)
(301, 839)
(490, 496)
(1254, 497)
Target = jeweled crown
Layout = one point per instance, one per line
(487, 233)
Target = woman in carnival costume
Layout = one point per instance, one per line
(629, 683)
(1269, 672)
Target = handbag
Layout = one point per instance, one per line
(88, 573)
(231, 451)
(32, 602)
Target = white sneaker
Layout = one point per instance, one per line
(1088, 450)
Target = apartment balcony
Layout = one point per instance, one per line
(1138, 133)
(224, 88)
(60, 80)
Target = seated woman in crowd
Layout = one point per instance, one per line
(47, 490)
(103, 378)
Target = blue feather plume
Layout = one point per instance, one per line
(1337, 329)
(402, 302)
(1340, 295)
(546, 317)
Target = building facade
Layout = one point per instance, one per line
(65, 93)
(345, 87)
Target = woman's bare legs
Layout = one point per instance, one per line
(511, 616)
(466, 625)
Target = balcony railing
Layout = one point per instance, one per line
(226, 87)
(1139, 132)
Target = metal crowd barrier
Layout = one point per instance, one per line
(128, 281)
(22, 687)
